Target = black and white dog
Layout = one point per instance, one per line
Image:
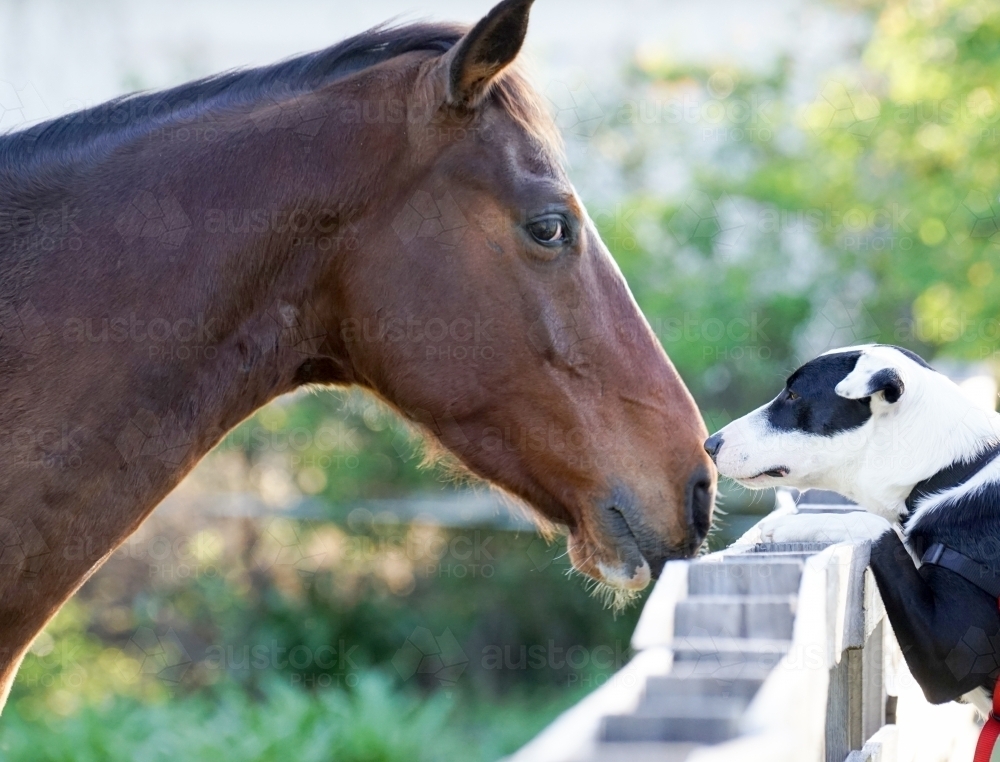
(878, 425)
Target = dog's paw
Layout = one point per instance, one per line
(854, 527)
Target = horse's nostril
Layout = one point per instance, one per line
(699, 509)
(712, 445)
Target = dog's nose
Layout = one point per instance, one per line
(712, 445)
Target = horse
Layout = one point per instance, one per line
(172, 261)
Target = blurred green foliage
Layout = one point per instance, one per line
(865, 211)
(340, 446)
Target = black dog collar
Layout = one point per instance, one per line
(955, 474)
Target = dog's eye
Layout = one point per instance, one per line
(792, 395)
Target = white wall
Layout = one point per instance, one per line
(59, 55)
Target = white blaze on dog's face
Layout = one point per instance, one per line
(832, 425)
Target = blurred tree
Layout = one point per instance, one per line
(868, 212)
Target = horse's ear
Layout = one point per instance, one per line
(485, 51)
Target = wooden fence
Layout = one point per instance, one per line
(760, 652)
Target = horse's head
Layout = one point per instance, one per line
(484, 305)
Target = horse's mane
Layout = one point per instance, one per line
(96, 130)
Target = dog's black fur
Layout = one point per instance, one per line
(947, 627)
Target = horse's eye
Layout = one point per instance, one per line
(548, 231)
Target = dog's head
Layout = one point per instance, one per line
(826, 429)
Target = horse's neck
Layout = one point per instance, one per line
(151, 331)
(104, 413)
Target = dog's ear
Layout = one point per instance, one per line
(888, 382)
(859, 383)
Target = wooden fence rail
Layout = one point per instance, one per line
(777, 653)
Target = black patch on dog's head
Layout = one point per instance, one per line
(809, 403)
